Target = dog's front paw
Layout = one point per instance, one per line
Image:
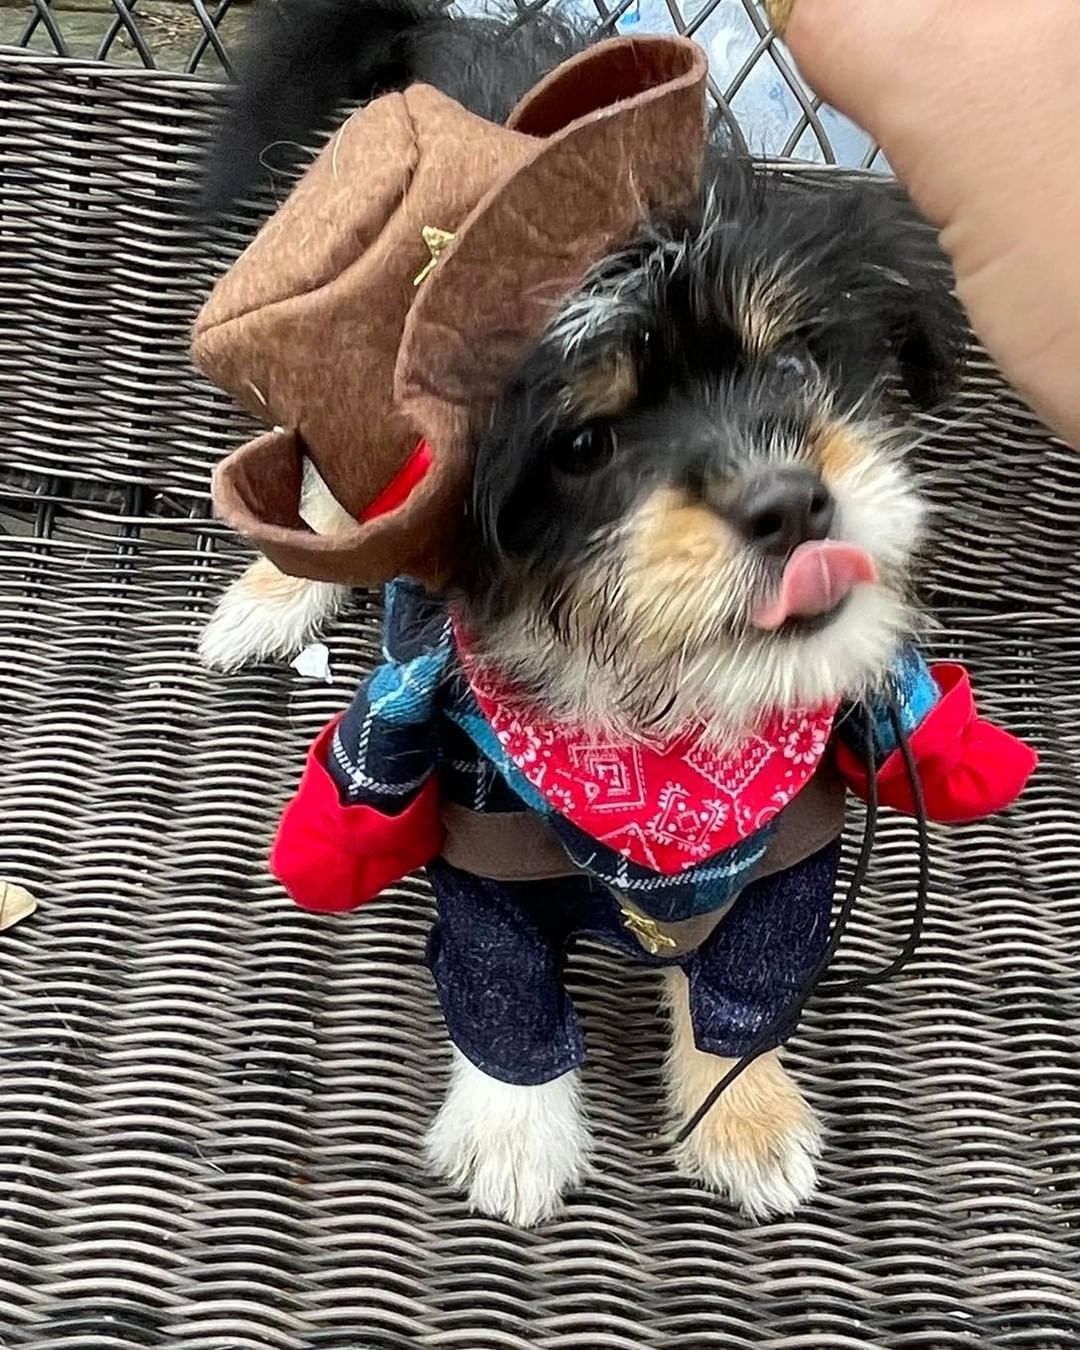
(515, 1150)
(758, 1145)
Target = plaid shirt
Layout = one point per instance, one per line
(415, 715)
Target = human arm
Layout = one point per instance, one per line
(976, 105)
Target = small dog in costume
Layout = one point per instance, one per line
(609, 413)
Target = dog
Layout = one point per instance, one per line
(714, 397)
(727, 391)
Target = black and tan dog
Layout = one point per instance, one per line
(688, 542)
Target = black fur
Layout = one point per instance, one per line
(866, 296)
(304, 59)
(867, 301)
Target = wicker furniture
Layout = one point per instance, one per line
(211, 1104)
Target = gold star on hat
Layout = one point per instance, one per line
(437, 240)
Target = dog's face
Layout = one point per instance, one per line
(689, 504)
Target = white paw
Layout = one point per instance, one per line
(265, 614)
(764, 1168)
(516, 1150)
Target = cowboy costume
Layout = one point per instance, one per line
(367, 323)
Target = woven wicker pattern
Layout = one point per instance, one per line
(211, 1104)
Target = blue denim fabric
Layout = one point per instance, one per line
(498, 949)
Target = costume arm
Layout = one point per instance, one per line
(967, 767)
(367, 809)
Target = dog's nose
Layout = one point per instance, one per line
(780, 509)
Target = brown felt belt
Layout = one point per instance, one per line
(522, 846)
(504, 845)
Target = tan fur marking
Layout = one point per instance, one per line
(679, 558)
(837, 450)
(747, 1138)
(765, 316)
(606, 390)
(265, 585)
(676, 554)
(670, 529)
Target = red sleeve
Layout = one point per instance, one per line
(332, 857)
(968, 768)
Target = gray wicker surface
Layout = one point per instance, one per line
(211, 1104)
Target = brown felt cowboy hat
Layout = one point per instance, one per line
(414, 262)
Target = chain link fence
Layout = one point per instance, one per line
(754, 81)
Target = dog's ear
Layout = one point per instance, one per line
(910, 287)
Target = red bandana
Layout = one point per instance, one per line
(665, 806)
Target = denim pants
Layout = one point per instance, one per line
(498, 949)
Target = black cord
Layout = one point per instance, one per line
(775, 1030)
(780, 1026)
(922, 892)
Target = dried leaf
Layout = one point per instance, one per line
(16, 903)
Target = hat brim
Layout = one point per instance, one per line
(257, 489)
(635, 144)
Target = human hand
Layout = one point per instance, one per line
(976, 103)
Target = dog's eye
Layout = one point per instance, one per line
(792, 366)
(584, 450)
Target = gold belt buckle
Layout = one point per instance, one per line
(647, 931)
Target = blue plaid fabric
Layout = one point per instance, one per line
(915, 691)
(387, 745)
(416, 715)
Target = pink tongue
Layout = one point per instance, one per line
(817, 577)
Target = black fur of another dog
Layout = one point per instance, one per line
(305, 59)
